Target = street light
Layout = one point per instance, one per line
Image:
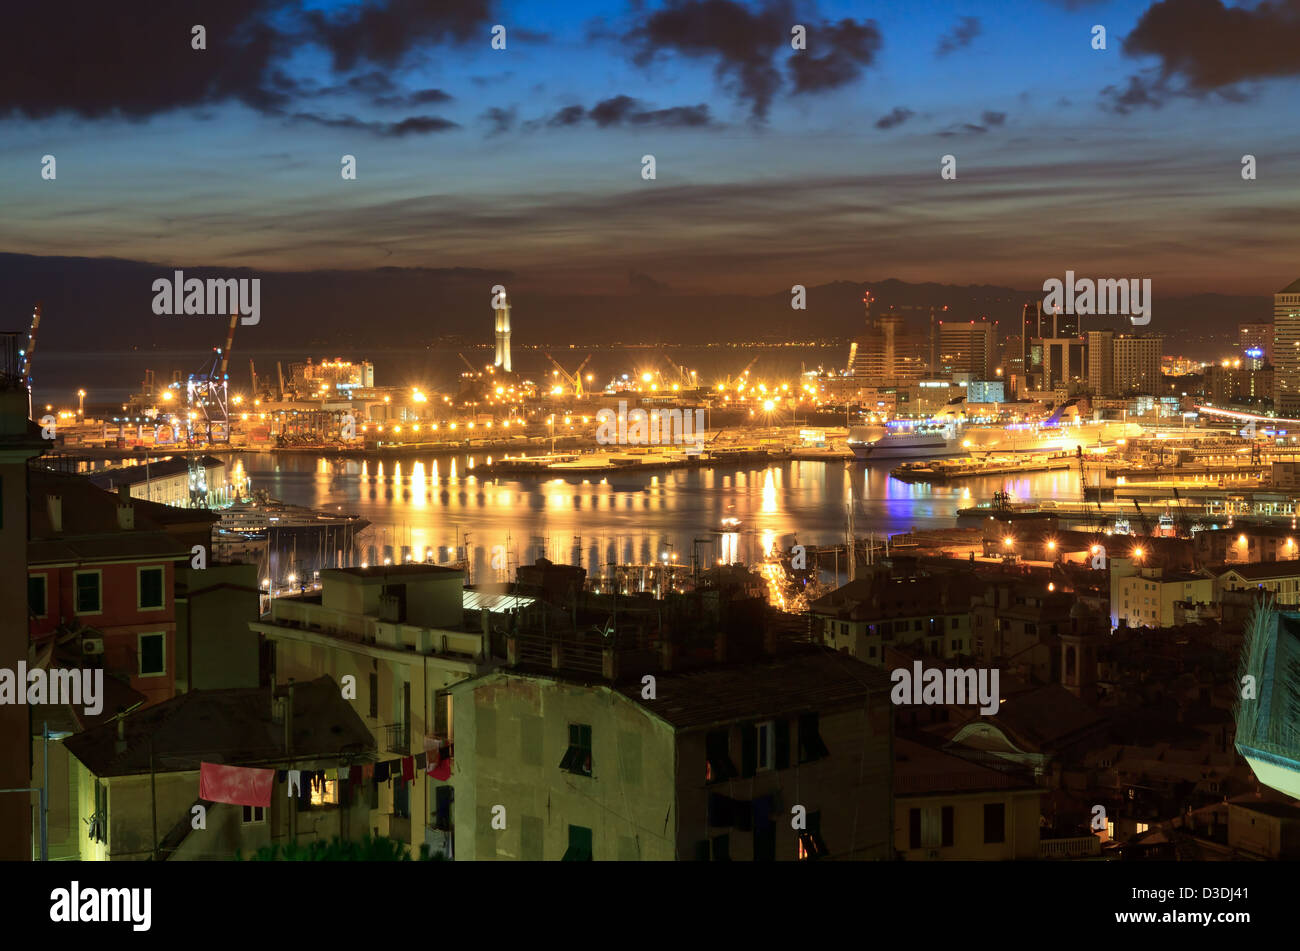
(81, 403)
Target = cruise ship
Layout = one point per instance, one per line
(948, 435)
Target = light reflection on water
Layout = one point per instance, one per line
(432, 503)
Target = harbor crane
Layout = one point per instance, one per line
(574, 379)
(207, 394)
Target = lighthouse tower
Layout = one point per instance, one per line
(503, 335)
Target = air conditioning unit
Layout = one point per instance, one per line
(92, 645)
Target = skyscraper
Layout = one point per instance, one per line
(968, 348)
(1137, 363)
(1256, 337)
(1286, 350)
(503, 334)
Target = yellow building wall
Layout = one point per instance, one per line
(1021, 826)
(511, 734)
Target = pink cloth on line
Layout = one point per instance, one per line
(236, 785)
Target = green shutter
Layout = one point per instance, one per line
(781, 743)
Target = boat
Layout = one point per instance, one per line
(948, 435)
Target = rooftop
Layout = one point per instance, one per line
(230, 726)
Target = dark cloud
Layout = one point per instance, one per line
(993, 118)
(415, 125)
(1205, 49)
(80, 57)
(849, 48)
(988, 119)
(501, 120)
(83, 57)
(626, 111)
(895, 117)
(569, 115)
(384, 33)
(959, 37)
(741, 42)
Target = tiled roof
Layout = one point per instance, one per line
(815, 679)
(1261, 570)
(230, 726)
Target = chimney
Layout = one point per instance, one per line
(120, 745)
(666, 654)
(125, 516)
(54, 508)
(609, 664)
(512, 651)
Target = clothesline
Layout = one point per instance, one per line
(250, 786)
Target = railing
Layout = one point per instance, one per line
(1075, 847)
(397, 738)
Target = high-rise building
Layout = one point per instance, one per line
(1256, 337)
(1286, 351)
(503, 334)
(1101, 362)
(1137, 363)
(968, 348)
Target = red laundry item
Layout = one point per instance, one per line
(368, 771)
(354, 776)
(408, 769)
(431, 756)
(442, 770)
(236, 785)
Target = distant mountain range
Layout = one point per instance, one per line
(94, 304)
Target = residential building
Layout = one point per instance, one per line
(949, 808)
(1256, 336)
(1281, 579)
(133, 782)
(395, 638)
(775, 758)
(1150, 596)
(968, 348)
(178, 481)
(1101, 362)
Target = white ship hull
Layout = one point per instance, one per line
(982, 440)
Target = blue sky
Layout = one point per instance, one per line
(805, 187)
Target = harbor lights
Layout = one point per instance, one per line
(1138, 554)
(81, 403)
(1008, 541)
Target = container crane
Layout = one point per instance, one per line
(574, 379)
(207, 394)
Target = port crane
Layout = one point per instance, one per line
(207, 394)
(574, 379)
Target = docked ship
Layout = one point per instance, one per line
(948, 435)
(265, 531)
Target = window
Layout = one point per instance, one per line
(722, 848)
(254, 814)
(149, 589)
(87, 593)
(444, 797)
(36, 595)
(811, 845)
(374, 696)
(577, 759)
(98, 822)
(811, 746)
(995, 822)
(579, 845)
(153, 655)
(325, 792)
(717, 766)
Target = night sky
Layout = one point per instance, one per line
(774, 166)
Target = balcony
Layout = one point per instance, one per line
(397, 738)
(1075, 847)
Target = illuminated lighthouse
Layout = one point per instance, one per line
(503, 334)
